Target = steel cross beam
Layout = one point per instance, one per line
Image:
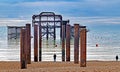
(48, 22)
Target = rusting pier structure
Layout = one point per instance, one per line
(13, 32)
(23, 50)
(45, 25)
(76, 43)
(25, 46)
(68, 28)
(36, 43)
(83, 49)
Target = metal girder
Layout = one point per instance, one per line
(48, 21)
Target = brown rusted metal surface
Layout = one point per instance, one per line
(40, 42)
(35, 43)
(76, 43)
(83, 47)
(68, 43)
(63, 42)
(28, 34)
(23, 49)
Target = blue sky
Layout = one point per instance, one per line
(102, 17)
(78, 11)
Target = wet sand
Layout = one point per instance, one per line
(92, 66)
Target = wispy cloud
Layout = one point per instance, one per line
(13, 22)
(79, 11)
(94, 20)
(46, 3)
(80, 20)
(68, 8)
(84, 8)
(79, 4)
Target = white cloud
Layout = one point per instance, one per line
(13, 22)
(94, 20)
(84, 8)
(92, 3)
(80, 20)
(48, 4)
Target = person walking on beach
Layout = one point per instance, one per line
(116, 57)
(54, 56)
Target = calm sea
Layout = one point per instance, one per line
(107, 38)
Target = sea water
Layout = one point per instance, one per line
(108, 41)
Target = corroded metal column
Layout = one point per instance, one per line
(47, 31)
(83, 47)
(54, 32)
(23, 49)
(76, 43)
(63, 42)
(35, 43)
(68, 43)
(28, 40)
(40, 42)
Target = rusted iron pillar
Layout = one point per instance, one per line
(61, 22)
(63, 42)
(28, 41)
(23, 49)
(54, 32)
(68, 43)
(36, 43)
(47, 31)
(83, 47)
(40, 42)
(76, 43)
